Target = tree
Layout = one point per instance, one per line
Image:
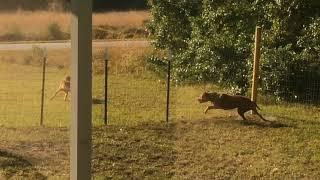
(213, 40)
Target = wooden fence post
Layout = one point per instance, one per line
(168, 87)
(256, 58)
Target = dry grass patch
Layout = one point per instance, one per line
(35, 25)
(133, 19)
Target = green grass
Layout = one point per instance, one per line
(127, 98)
(137, 143)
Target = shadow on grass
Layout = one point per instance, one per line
(134, 152)
(15, 166)
(271, 124)
(251, 122)
(97, 101)
(299, 122)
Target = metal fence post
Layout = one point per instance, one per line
(106, 87)
(43, 88)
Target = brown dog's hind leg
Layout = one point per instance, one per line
(241, 113)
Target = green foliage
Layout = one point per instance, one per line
(288, 76)
(157, 65)
(171, 25)
(213, 40)
(293, 71)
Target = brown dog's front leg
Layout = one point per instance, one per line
(241, 113)
(208, 108)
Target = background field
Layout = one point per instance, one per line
(50, 25)
(63, 5)
(138, 143)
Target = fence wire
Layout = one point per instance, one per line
(299, 87)
(21, 85)
(135, 94)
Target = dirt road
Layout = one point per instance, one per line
(64, 45)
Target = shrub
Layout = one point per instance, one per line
(55, 32)
(100, 32)
(13, 34)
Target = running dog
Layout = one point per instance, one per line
(65, 86)
(226, 102)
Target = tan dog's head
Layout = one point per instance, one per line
(67, 78)
(208, 96)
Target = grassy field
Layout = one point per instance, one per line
(138, 144)
(46, 25)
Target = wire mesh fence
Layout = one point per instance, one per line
(295, 87)
(135, 95)
(21, 85)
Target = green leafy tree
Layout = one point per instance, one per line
(212, 40)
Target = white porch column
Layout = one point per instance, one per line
(81, 90)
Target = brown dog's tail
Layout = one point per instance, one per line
(256, 105)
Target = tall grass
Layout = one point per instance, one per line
(33, 25)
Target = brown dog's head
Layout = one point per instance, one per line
(208, 96)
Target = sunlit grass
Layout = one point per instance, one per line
(134, 93)
(138, 143)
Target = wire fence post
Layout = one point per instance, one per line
(256, 58)
(43, 88)
(106, 58)
(168, 87)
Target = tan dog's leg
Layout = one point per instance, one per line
(66, 95)
(55, 94)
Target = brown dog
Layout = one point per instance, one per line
(65, 86)
(226, 102)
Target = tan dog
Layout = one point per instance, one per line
(65, 86)
(226, 102)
